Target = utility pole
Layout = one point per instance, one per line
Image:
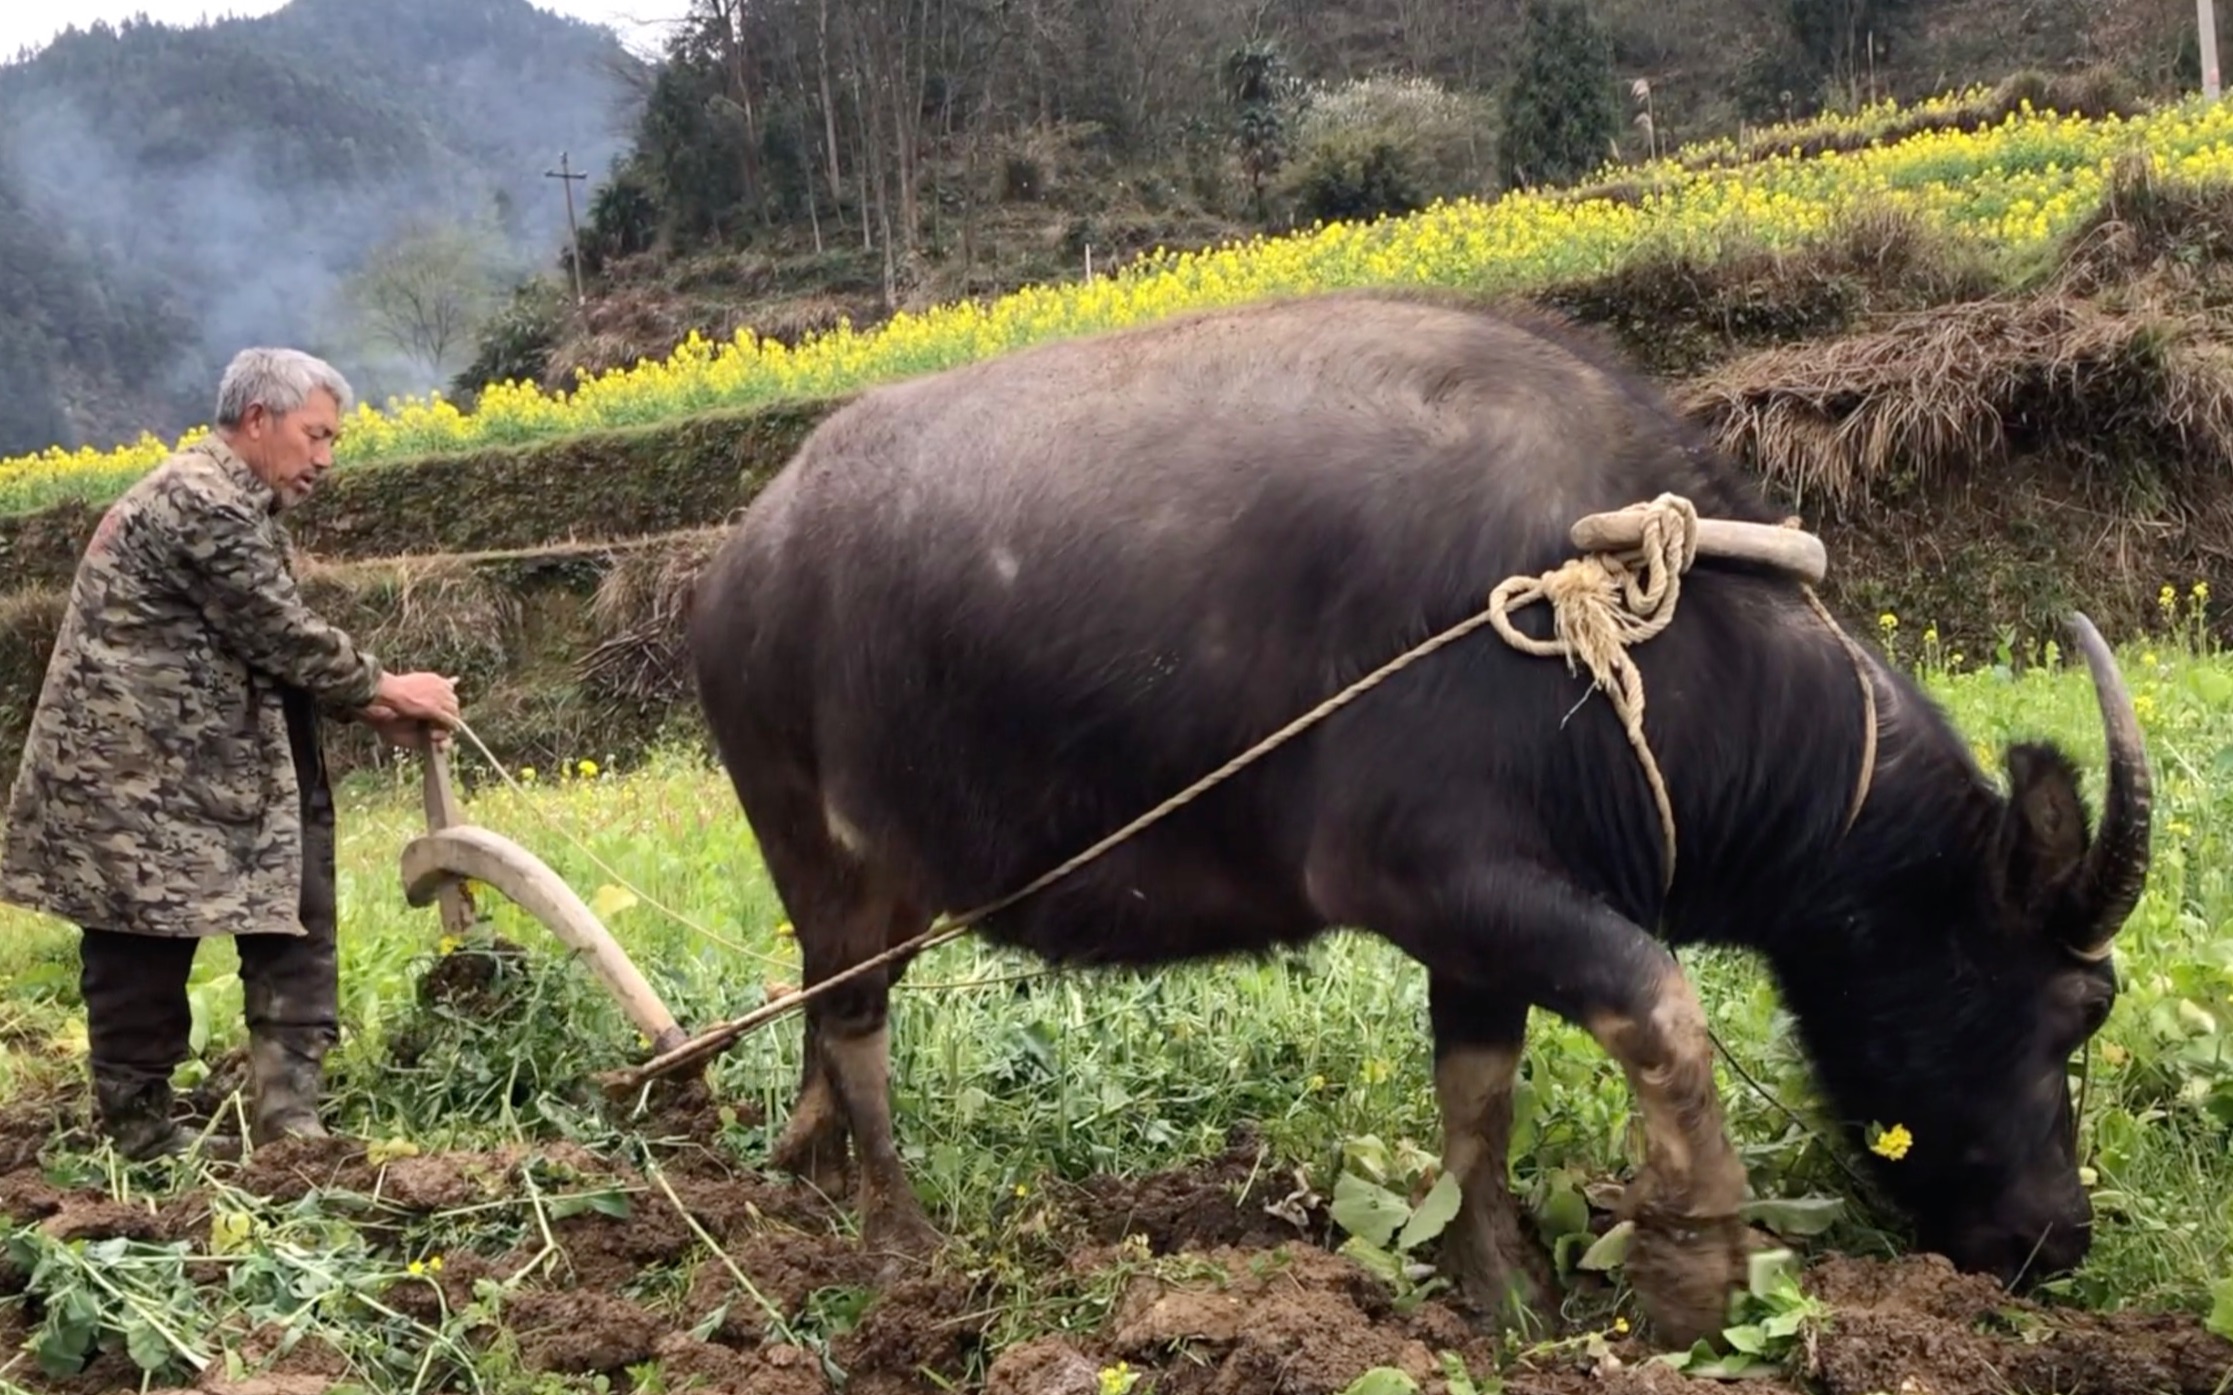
(2205, 26)
(566, 176)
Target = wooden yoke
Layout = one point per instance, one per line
(1790, 549)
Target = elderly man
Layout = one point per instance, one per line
(172, 787)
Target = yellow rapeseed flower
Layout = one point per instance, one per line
(1892, 1143)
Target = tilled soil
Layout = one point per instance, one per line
(1197, 1288)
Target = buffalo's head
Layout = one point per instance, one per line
(1951, 1010)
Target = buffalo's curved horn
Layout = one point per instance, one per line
(2117, 865)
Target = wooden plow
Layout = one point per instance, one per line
(437, 867)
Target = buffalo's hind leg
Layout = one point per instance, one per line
(815, 1138)
(1496, 1263)
(845, 913)
(853, 1023)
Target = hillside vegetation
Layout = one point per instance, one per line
(1972, 341)
(787, 166)
(2001, 191)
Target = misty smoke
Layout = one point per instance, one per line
(251, 239)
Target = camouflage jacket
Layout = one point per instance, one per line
(157, 792)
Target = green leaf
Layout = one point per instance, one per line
(1460, 1380)
(1382, 1380)
(1367, 1210)
(146, 1346)
(2220, 1320)
(61, 1351)
(1435, 1211)
(1784, 1324)
(1611, 1248)
(1748, 1339)
(609, 900)
(1565, 1211)
(1367, 1154)
(1379, 1262)
(1795, 1216)
(1767, 1271)
(710, 1323)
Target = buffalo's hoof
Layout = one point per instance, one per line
(1685, 1270)
(1502, 1278)
(900, 1235)
(817, 1155)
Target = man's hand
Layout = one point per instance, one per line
(398, 730)
(418, 697)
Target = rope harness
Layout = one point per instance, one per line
(1603, 602)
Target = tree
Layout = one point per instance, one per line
(1561, 111)
(427, 291)
(1258, 85)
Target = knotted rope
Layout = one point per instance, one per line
(1603, 602)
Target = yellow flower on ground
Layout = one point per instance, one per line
(1893, 1143)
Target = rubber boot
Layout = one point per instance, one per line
(286, 1077)
(135, 1115)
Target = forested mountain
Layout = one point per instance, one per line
(315, 176)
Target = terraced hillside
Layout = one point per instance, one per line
(1972, 342)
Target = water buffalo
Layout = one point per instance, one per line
(987, 616)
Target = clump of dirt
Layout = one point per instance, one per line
(1916, 1324)
(580, 1332)
(288, 1169)
(1296, 1320)
(785, 1268)
(469, 980)
(1291, 1319)
(1221, 1202)
(749, 1282)
(930, 1324)
(685, 1108)
(25, 1126)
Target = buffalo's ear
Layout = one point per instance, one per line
(2043, 837)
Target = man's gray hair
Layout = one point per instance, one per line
(281, 379)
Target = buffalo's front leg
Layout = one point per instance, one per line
(1497, 1263)
(1511, 932)
(1690, 1241)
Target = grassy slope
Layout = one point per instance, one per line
(1005, 1086)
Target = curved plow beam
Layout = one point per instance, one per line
(444, 857)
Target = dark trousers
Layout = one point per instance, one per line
(137, 1017)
